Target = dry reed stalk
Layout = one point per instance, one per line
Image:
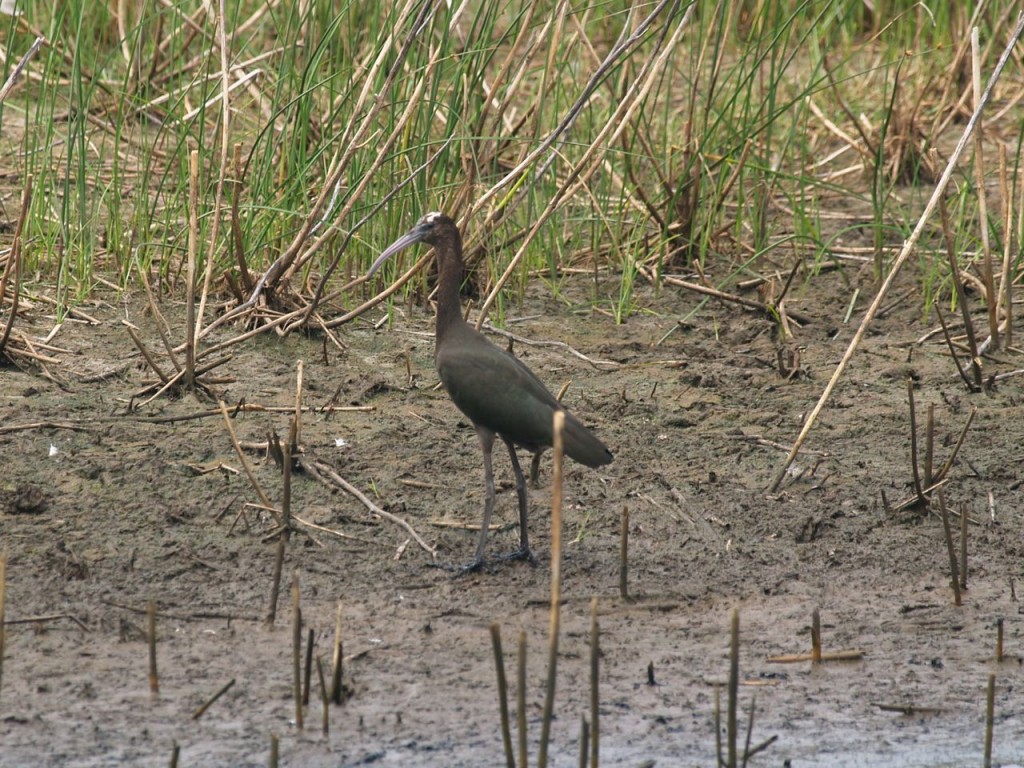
(209, 703)
(286, 481)
(193, 26)
(48, 618)
(750, 730)
(1004, 302)
(558, 422)
(950, 108)
(521, 698)
(705, 290)
(720, 761)
(3, 600)
(162, 326)
(238, 244)
(901, 259)
(987, 273)
(624, 554)
(952, 349)
(241, 407)
(190, 270)
(797, 658)
(947, 532)
(596, 363)
(584, 741)
(307, 671)
(296, 650)
(337, 660)
(1020, 242)
(325, 699)
(999, 640)
(963, 546)
(941, 475)
(141, 346)
(246, 466)
(734, 683)
(816, 636)
(961, 294)
(499, 666)
(14, 264)
(296, 437)
(990, 711)
(595, 659)
(275, 749)
(26, 57)
(178, 378)
(175, 753)
(275, 586)
(154, 680)
(918, 488)
(929, 443)
(908, 709)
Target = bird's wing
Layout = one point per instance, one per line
(496, 390)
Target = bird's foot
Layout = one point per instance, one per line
(473, 566)
(481, 564)
(523, 553)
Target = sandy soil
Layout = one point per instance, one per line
(104, 508)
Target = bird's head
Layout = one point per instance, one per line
(430, 229)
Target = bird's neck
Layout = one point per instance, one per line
(449, 304)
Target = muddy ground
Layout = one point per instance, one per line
(103, 509)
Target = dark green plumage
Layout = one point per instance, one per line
(494, 389)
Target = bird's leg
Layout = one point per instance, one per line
(486, 444)
(535, 469)
(523, 553)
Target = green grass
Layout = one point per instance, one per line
(717, 159)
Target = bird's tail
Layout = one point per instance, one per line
(581, 444)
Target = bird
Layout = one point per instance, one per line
(495, 390)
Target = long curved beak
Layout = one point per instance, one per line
(411, 237)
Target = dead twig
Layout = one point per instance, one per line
(908, 709)
(326, 470)
(247, 467)
(12, 79)
(236, 409)
(796, 658)
(940, 476)
(601, 365)
(971, 386)
(44, 425)
(197, 616)
(329, 531)
(209, 703)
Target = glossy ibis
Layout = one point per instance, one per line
(494, 389)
